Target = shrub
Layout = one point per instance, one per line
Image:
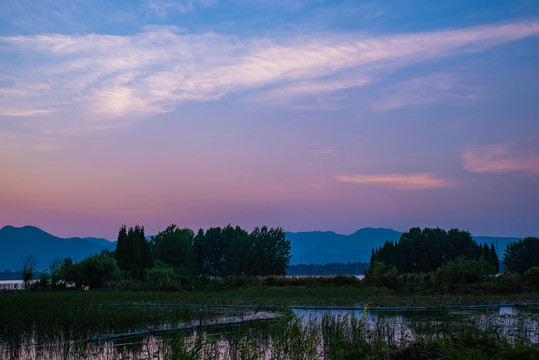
(380, 274)
(462, 271)
(532, 274)
(160, 278)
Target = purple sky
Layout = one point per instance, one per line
(310, 115)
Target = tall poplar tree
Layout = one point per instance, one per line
(133, 252)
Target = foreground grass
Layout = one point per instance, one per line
(64, 316)
(107, 311)
(350, 337)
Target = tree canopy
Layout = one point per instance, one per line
(174, 247)
(522, 255)
(133, 251)
(421, 251)
(223, 251)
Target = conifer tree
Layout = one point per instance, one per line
(133, 251)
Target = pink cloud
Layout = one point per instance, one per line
(500, 159)
(398, 181)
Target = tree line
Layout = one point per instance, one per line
(175, 253)
(176, 258)
(437, 259)
(422, 251)
(215, 252)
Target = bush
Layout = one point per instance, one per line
(270, 281)
(160, 278)
(532, 275)
(380, 274)
(462, 271)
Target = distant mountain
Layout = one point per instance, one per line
(312, 247)
(317, 247)
(17, 243)
(500, 243)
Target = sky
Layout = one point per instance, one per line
(308, 115)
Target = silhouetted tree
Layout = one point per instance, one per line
(174, 247)
(425, 250)
(28, 269)
(133, 251)
(232, 251)
(238, 255)
(521, 255)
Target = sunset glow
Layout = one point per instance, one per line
(310, 116)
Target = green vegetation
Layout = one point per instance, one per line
(357, 268)
(533, 275)
(133, 252)
(436, 261)
(233, 251)
(173, 247)
(28, 270)
(65, 322)
(522, 255)
(422, 251)
(178, 278)
(219, 252)
(174, 259)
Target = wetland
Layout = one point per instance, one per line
(267, 322)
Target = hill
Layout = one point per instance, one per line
(311, 247)
(17, 243)
(317, 247)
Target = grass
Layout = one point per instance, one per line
(350, 337)
(62, 322)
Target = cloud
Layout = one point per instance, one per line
(314, 92)
(398, 181)
(161, 8)
(128, 77)
(28, 112)
(502, 158)
(428, 89)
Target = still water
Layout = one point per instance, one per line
(511, 322)
(515, 323)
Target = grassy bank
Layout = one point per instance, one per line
(359, 293)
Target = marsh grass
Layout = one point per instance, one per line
(346, 336)
(59, 325)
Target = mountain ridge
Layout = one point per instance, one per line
(321, 247)
(307, 247)
(18, 243)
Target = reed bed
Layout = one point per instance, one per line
(61, 325)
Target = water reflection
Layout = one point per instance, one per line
(511, 322)
(391, 326)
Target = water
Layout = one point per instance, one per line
(514, 323)
(511, 322)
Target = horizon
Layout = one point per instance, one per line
(310, 116)
(293, 232)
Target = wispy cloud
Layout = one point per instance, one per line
(310, 94)
(399, 181)
(502, 158)
(115, 77)
(28, 112)
(162, 8)
(428, 89)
